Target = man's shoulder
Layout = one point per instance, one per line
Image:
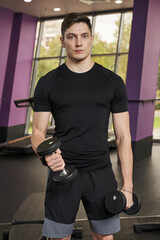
(53, 73)
(50, 76)
(108, 73)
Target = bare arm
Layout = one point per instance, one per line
(40, 124)
(124, 149)
(39, 128)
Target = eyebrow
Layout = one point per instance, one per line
(73, 34)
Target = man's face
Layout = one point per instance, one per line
(78, 42)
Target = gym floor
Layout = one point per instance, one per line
(22, 175)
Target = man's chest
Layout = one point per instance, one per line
(81, 93)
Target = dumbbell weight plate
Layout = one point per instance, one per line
(49, 146)
(135, 207)
(115, 202)
(64, 177)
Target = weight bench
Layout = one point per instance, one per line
(31, 210)
(28, 220)
(26, 232)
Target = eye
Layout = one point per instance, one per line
(71, 37)
(85, 36)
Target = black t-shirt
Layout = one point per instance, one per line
(81, 104)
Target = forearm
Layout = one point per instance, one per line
(36, 139)
(125, 155)
(39, 128)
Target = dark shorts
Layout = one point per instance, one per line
(62, 203)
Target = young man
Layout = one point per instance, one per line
(81, 94)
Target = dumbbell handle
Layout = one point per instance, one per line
(63, 172)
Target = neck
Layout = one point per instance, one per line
(81, 66)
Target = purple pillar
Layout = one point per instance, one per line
(6, 19)
(142, 74)
(16, 79)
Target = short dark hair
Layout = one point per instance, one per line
(73, 18)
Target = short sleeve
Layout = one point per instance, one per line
(41, 101)
(120, 99)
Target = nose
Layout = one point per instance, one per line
(78, 41)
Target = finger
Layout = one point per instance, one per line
(58, 151)
(129, 202)
(129, 198)
(53, 157)
(59, 167)
(55, 161)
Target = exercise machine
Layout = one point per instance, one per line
(23, 144)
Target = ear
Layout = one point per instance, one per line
(62, 41)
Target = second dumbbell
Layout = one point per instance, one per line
(115, 202)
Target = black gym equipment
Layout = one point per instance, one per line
(28, 220)
(24, 103)
(49, 146)
(115, 202)
(146, 227)
(23, 144)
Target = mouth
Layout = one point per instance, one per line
(78, 51)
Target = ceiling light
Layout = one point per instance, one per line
(57, 9)
(118, 1)
(89, 2)
(27, 0)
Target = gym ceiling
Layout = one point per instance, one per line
(44, 8)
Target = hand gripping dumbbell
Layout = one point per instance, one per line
(115, 202)
(49, 146)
